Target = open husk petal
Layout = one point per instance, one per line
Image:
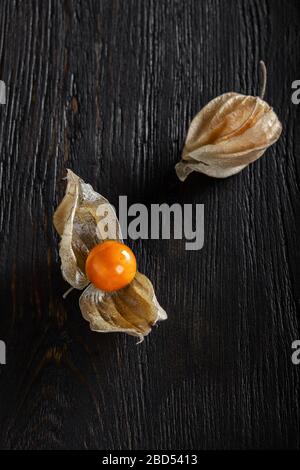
(77, 220)
(230, 132)
(132, 310)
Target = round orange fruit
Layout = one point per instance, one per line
(110, 266)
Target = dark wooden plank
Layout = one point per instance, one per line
(108, 88)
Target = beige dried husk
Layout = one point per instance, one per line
(230, 132)
(78, 220)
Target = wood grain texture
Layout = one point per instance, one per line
(108, 88)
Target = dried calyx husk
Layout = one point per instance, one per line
(78, 220)
(230, 132)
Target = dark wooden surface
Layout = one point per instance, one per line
(108, 88)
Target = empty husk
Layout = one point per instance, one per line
(230, 132)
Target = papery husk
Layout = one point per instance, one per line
(132, 310)
(77, 222)
(230, 132)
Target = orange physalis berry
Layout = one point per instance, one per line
(110, 266)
